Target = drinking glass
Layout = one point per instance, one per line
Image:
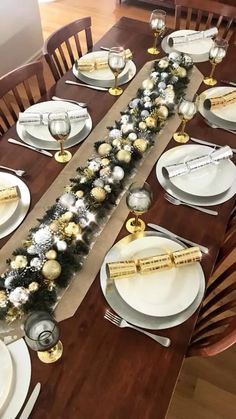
(186, 111)
(158, 23)
(116, 62)
(59, 128)
(42, 335)
(216, 55)
(139, 201)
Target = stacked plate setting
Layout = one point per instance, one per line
(103, 77)
(159, 300)
(39, 135)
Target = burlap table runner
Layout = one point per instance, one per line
(81, 282)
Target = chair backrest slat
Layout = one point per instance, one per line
(62, 36)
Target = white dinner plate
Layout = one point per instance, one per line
(41, 131)
(189, 198)
(6, 374)
(126, 311)
(22, 374)
(198, 50)
(163, 293)
(8, 208)
(223, 113)
(110, 82)
(208, 181)
(22, 208)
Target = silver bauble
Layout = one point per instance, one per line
(67, 199)
(114, 134)
(61, 245)
(94, 166)
(147, 92)
(36, 263)
(42, 237)
(175, 56)
(98, 182)
(134, 103)
(132, 136)
(124, 119)
(164, 76)
(147, 105)
(118, 173)
(187, 61)
(144, 113)
(161, 85)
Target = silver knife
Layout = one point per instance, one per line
(39, 150)
(31, 402)
(196, 140)
(175, 236)
(230, 83)
(104, 89)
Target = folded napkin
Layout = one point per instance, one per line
(9, 194)
(220, 101)
(29, 118)
(100, 63)
(128, 268)
(188, 166)
(175, 40)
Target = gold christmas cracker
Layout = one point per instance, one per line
(128, 268)
(220, 101)
(8, 194)
(90, 64)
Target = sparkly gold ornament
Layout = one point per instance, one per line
(162, 112)
(123, 155)
(51, 254)
(159, 100)
(50, 284)
(116, 142)
(72, 229)
(66, 216)
(105, 162)
(98, 194)
(27, 243)
(88, 173)
(147, 84)
(3, 299)
(141, 145)
(13, 314)
(19, 262)
(142, 125)
(67, 188)
(79, 194)
(181, 72)
(151, 122)
(163, 64)
(104, 149)
(51, 269)
(33, 286)
(54, 226)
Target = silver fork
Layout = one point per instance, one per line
(18, 172)
(81, 104)
(218, 127)
(176, 201)
(118, 321)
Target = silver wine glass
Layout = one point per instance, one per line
(59, 128)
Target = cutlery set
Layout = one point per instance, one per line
(31, 402)
(38, 150)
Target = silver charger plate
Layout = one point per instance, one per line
(186, 197)
(22, 208)
(136, 318)
(54, 145)
(104, 83)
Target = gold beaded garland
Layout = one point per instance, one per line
(141, 145)
(51, 254)
(104, 149)
(33, 286)
(98, 194)
(51, 269)
(123, 155)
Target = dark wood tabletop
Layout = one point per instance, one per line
(106, 372)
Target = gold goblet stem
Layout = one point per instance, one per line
(184, 122)
(62, 148)
(212, 70)
(116, 76)
(155, 40)
(136, 220)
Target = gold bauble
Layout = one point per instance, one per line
(13, 314)
(163, 64)
(151, 122)
(54, 226)
(3, 299)
(162, 112)
(141, 145)
(98, 194)
(33, 286)
(51, 254)
(104, 149)
(159, 100)
(51, 269)
(124, 156)
(72, 229)
(116, 142)
(147, 84)
(181, 72)
(142, 125)
(20, 261)
(79, 194)
(105, 162)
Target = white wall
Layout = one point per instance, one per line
(21, 37)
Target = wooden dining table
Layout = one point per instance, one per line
(107, 372)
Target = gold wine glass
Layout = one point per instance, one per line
(42, 335)
(216, 55)
(139, 201)
(116, 62)
(186, 111)
(158, 23)
(59, 128)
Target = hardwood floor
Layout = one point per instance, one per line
(207, 387)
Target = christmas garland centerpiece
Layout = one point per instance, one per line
(56, 248)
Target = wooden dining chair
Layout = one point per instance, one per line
(215, 329)
(203, 14)
(64, 46)
(19, 89)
